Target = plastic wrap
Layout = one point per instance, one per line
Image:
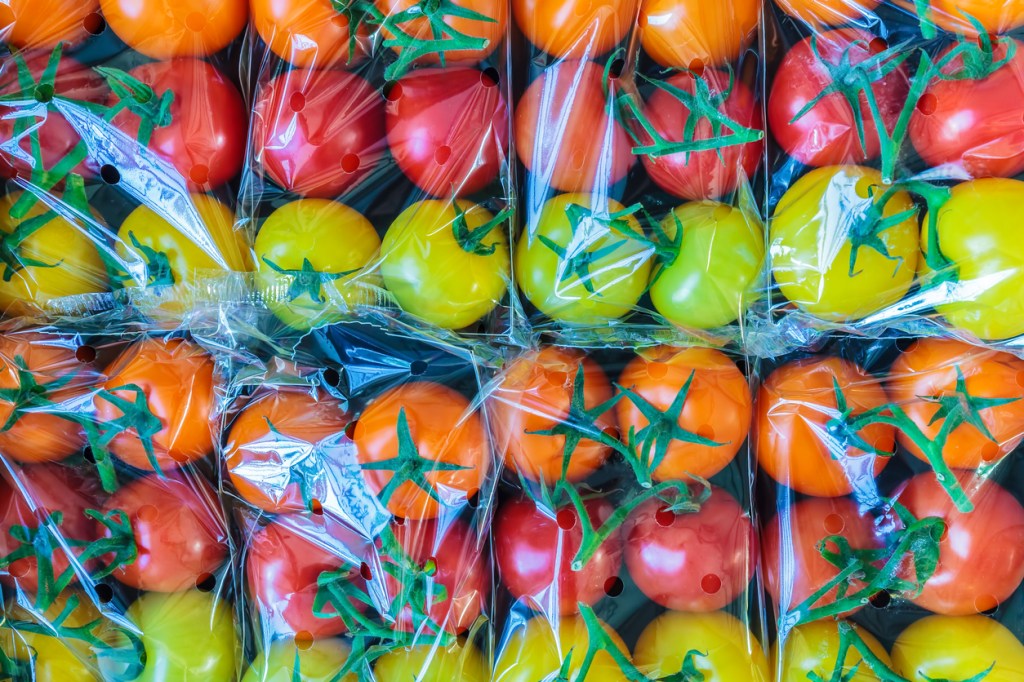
(893, 534)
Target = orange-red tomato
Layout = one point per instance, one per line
(176, 28)
(819, 13)
(717, 406)
(535, 395)
(928, 369)
(307, 33)
(28, 24)
(995, 16)
(794, 406)
(575, 29)
(491, 31)
(171, 380)
(442, 428)
(692, 34)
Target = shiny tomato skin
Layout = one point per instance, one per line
(814, 648)
(31, 24)
(958, 648)
(535, 548)
(952, 15)
(52, 658)
(727, 648)
(827, 134)
(179, 528)
(448, 129)
(430, 662)
(692, 34)
(710, 174)
(493, 31)
(317, 661)
(538, 650)
(205, 141)
(163, 29)
(821, 13)
(307, 33)
(575, 29)
(318, 133)
(566, 131)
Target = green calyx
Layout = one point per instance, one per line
(472, 240)
(135, 417)
(443, 38)
(158, 266)
(307, 281)
(869, 225)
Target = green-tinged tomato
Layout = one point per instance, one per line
(716, 645)
(715, 274)
(301, 661)
(585, 262)
(843, 244)
(313, 259)
(52, 659)
(958, 648)
(814, 648)
(542, 650)
(447, 263)
(425, 663)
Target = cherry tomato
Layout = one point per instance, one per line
(725, 648)
(28, 24)
(431, 663)
(813, 648)
(931, 368)
(318, 133)
(575, 29)
(448, 129)
(717, 271)
(690, 34)
(957, 15)
(566, 131)
(827, 134)
(458, 17)
(717, 407)
(958, 648)
(535, 395)
(538, 648)
(691, 561)
(981, 554)
(166, 388)
(439, 426)
(820, 13)
(308, 33)
(794, 407)
(297, 660)
(535, 549)
(176, 28)
(582, 264)
(438, 269)
(812, 245)
(707, 174)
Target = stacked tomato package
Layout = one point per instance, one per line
(639, 130)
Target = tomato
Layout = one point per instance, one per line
(716, 273)
(827, 134)
(566, 131)
(691, 561)
(432, 663)
(717, 407)
(300, 661)
(535, 549)
(536, 650)
(535, 395)
(794, 407)
(318, 133)
(958, 648)
(436, 268)
(557, 269)
(28, 24)
(575, 29)
(981, 554)
(456, 16)
(448, 129)
(706, 174)
(977, 233)
(54, 489)
(167, 386)
(308, 33)
(176, 28)
(690, 34)
(813, 648)
(812, 241)
(276, 439)
(726, 649)
(956, 15)
(793, 565)
(930, 368)
(205, 139)
(440, 427)
(305, 283)
(829, 12)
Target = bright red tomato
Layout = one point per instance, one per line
(176, 28)
(448, 129)
(205, 140)
(29, 24)
(827, 134)
(318, 133)
(307, 33)
(535, 548)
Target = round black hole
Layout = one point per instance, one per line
(110, 175)
(881, 600)
(85, 354)
(94, 24)
(350, 430)
(104, 592)
(492, 75)
(418, 368)
(392, 91)
(332, 377)
(365, 572)
(903, 345)
(613, 586)
(473, 500)
(206, 582)
(616, 67)
(88, 456)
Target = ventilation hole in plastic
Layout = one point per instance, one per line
(418, 368)
(657, 370)
(43, 93)
(365, 572)
(878, 45)
(665, 517)
(613, 586)
(206, 582)
(616, 67)
(697, 67)
(350, 430)
(104, 593)
(578, 158)
(110, 174)
(557, 378)
(199, 174)
(331, 377)
(398, 521)
(881, 600)
(315, 507)
(392, 91)
(19, 569)
(148, 513)
(986, 604)
(711, 584)
(566, 519)
(903, 345)
(442, 155)
(990, 451)
(340, 20)
(85, 354)
(350, 163)
(94, 24)
(927, 104)
(940, 532)
(834, 524)
(297, 102)
(195, 22)
(88, 456)
(489, 77)
(473, 498)
(303, 640)
(641, 20)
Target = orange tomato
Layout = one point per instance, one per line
(575, 29)
(163, 29)
(175, 379)
(307, 33)
(717, 406)
(820, 13)
(29, 24)
(442, 428)
(491, 31)
(692, 34)
(795, 404)
(995, 16)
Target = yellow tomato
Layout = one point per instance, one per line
(958, 648)
(300, 661)
(55, 659)
(717, 644)
(538, 649)
(814, 648)
(425, 663)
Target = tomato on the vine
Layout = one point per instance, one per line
(317, 661)
(818, 13)
(308, 33)
(813, 649)
(444, 31)
(163, 29)
(460, 661)
(719, 647)
(692, 34)
(958, 648)
(29, 24)
(575, 29)
(539, 648)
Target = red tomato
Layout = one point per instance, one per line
(53, 488)
(827, 134)
(713, 173)
(974, 126)
(794, 407)
(793, 565)
(452, 14)
(535, 548)
(691, 561)
(176, 28)
(179, 528)
(692, 34)
(28, 24)
(307, 33)
(318, 133)
(566, 132)
(448, 129)
(575, 29)
(981, 554)
(206, 138)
